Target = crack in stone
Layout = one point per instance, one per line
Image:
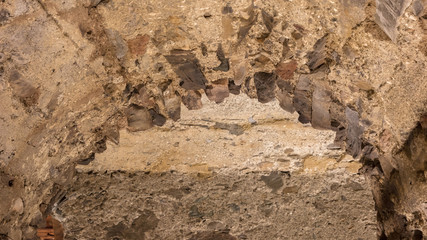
(49, 15)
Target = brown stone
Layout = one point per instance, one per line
(290, 189)
(173, 108)
(320, 108)
(268, 20)
(285, 70)
(218, 91)
(158, 119)
(317, 57)
(418, 7)
(273, 181)
(146, 221)
(186, 66)
(388, 13)
(172, 103)
(299, 27)
(144, 98)
(302, 99)
(423, 121)
(227, 27)
(70, 77)
(138, 45)
(233, 88)
(286, 51)
(22, 89)
(296, 35)
(364, 85)
(119, 44)
(192, 100)
(265, 83)
(224, 66)
(138, 118)
(227, 9)
(285, 100)
(354, 131)
(247, 23)
(4, 15)
(18, 206)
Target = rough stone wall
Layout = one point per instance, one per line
(177, 206)
(239, 168)
(72, 73)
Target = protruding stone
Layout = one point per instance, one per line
(290, 189)
(247, 23)
(265, 83)
(172, 103)
(227, 27)
(351, 14)
(273, 181)
(204, 49)
(317, 57)
(285, 100)
(388, 14)
(158, 119)
(138, 118)
(285, 70)
(261, 60)
(233, 88)
(354, 131)
(4, 16)
(192, 100)
(302, 99)
(18, 206)
(218, 91)
(173, 108)
(224, 65)
(249, 88)
(299, 28)
(268, 20)
(286, 51)
(364, 85)
(194, 212)
(138, 45)
(239, 71)
(320, 108)
(118, 42)
(333, 146)
(296, 35)
(15, 234)
(423, 121)
(227, 9)
(216, 226)
(144, 98)
(355, 186)
(187, 67)
(418, 7)
(26, 92)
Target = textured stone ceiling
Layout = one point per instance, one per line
(166, 119)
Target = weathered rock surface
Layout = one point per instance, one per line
(227, 206)
(81, 77)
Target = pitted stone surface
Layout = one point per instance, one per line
(84, 81)
(243, 206)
